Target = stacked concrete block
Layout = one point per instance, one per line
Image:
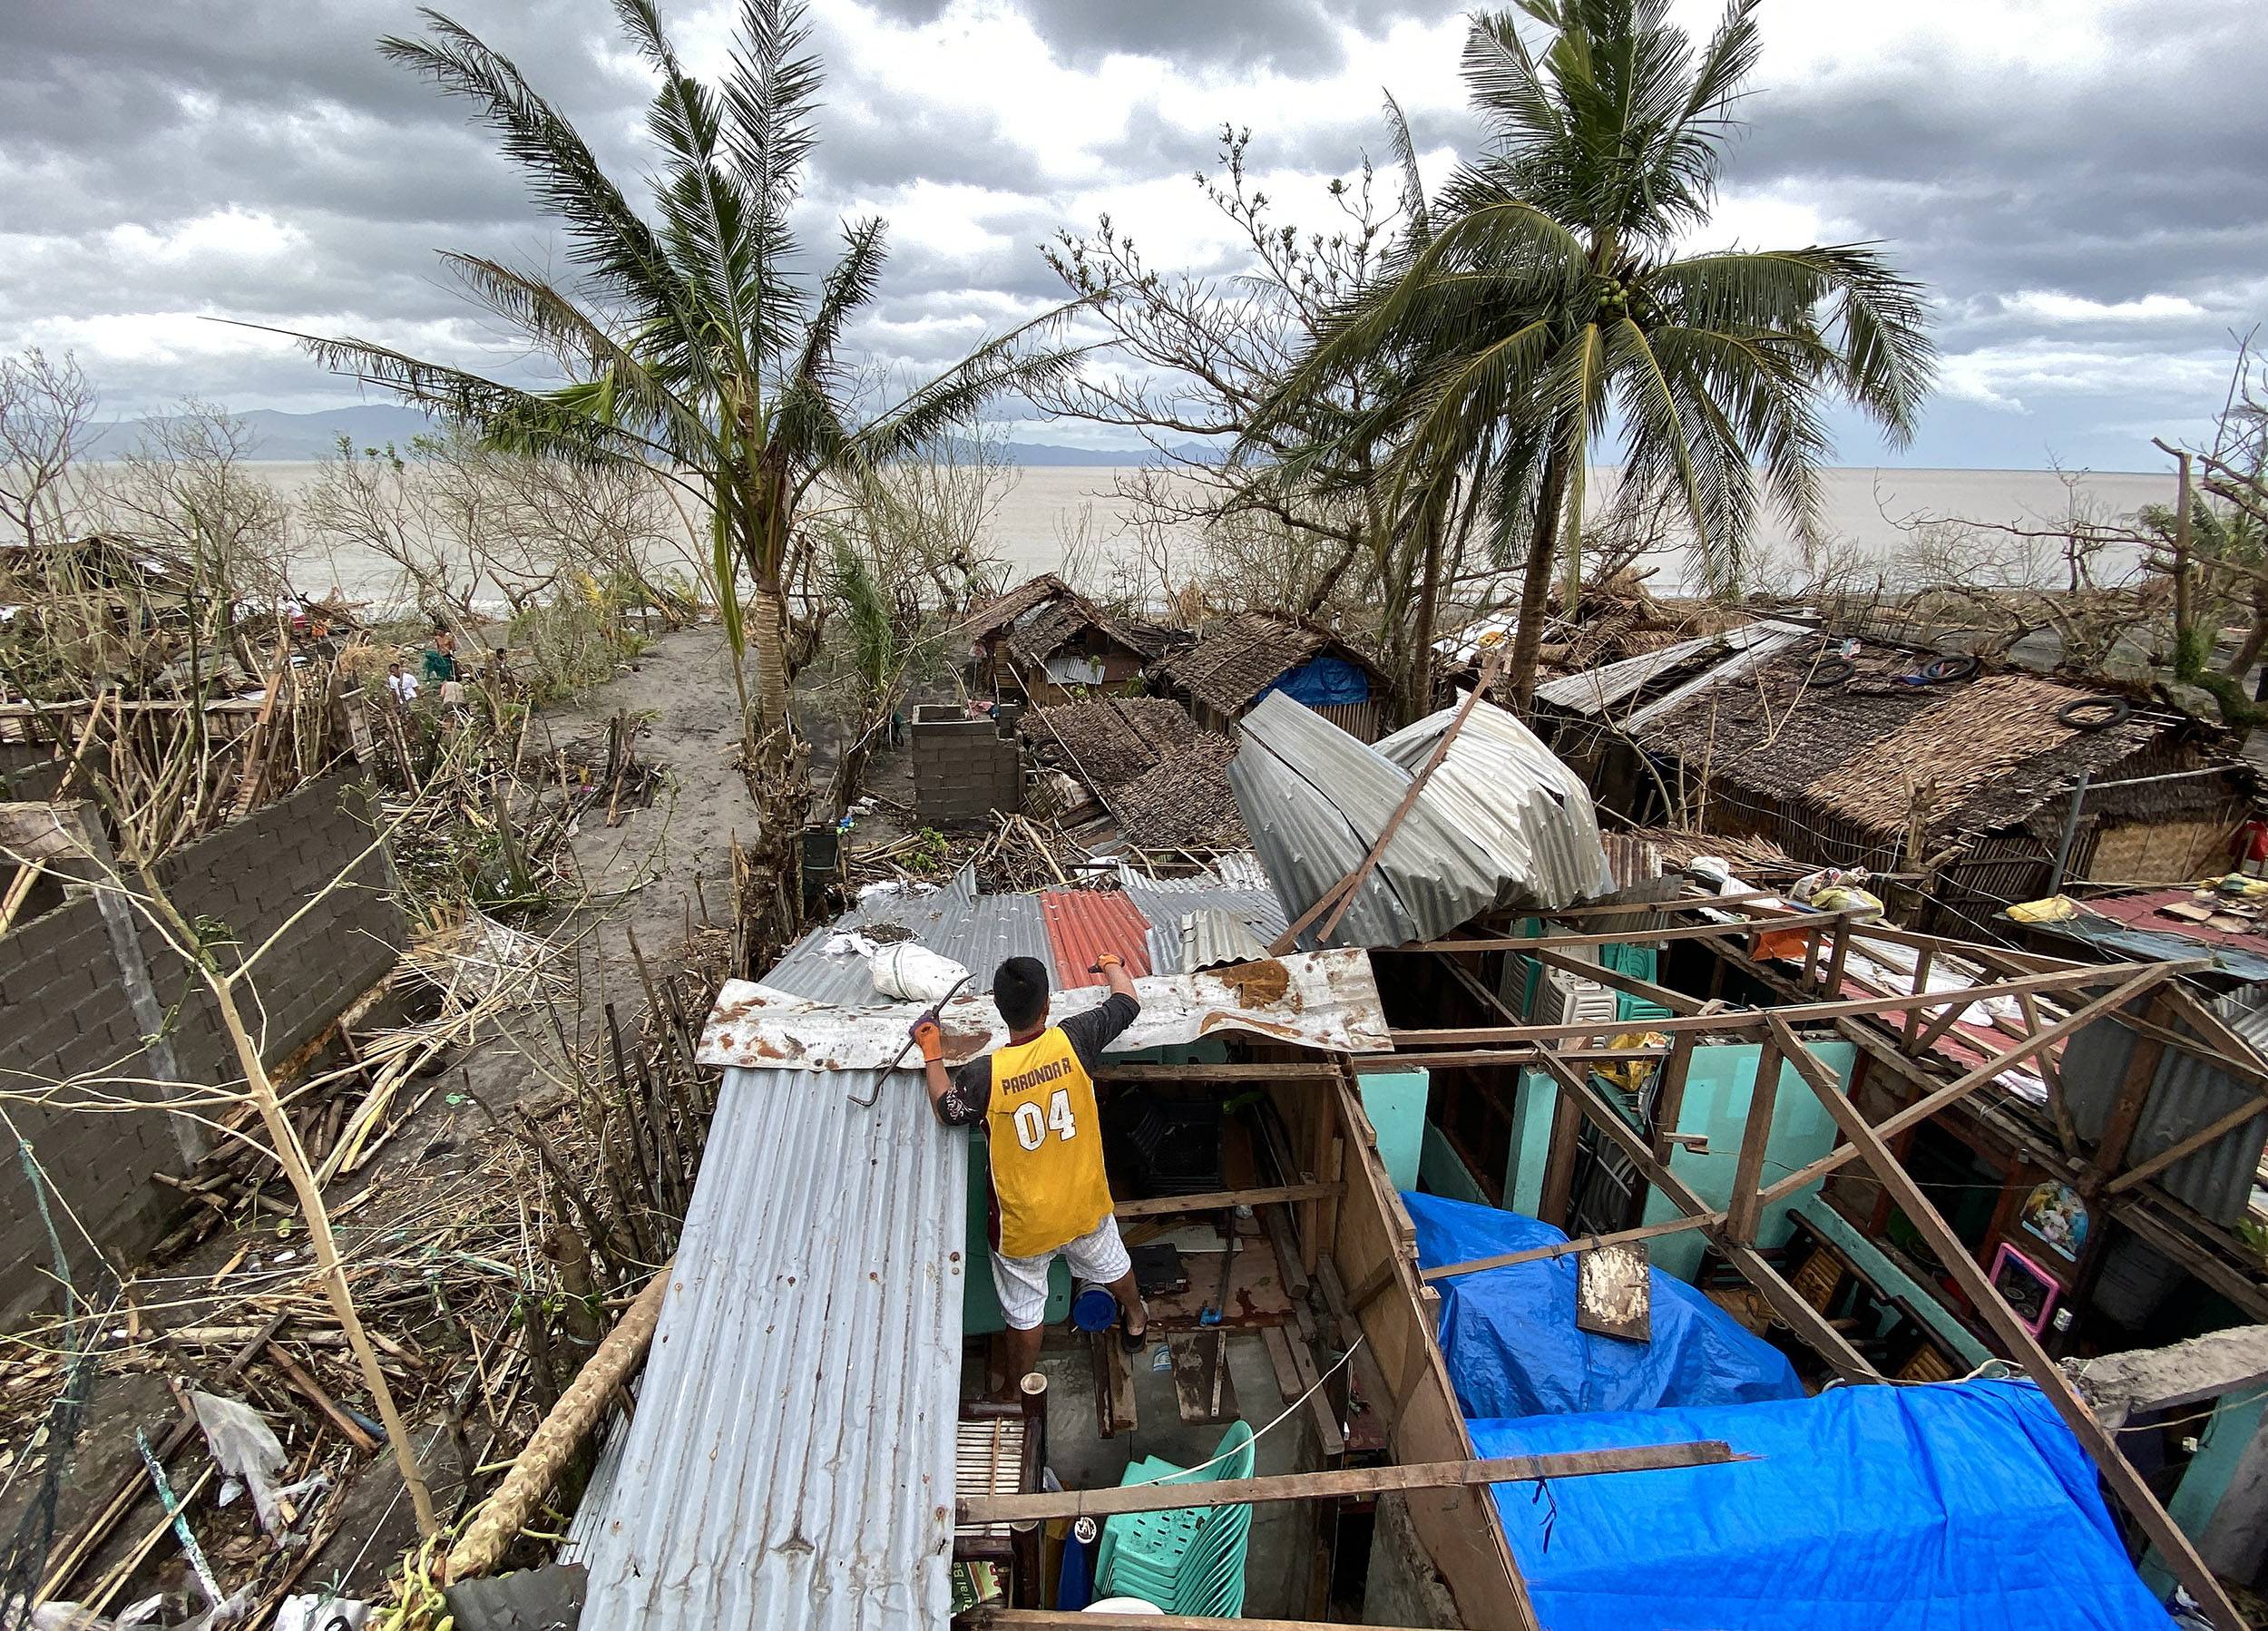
(963, 768)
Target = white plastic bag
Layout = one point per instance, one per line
(246, 1448)
(911, 972)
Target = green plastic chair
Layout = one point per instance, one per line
(1190, 1560)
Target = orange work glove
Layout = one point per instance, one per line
(930, 1040)
(1108, 960)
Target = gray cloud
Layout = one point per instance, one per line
(2093, 233)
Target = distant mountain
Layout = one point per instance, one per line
(295, 438)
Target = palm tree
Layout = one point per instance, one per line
(1546, 298)
(688, 341)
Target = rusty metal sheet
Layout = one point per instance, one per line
(1614, 1292)
(1322, 1000)
(1083, 924)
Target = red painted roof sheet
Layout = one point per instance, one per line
(1082, 923)
(2144, 909)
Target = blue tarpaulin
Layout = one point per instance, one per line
(1323, 683)
(1513, 1349)
(1955, 1506)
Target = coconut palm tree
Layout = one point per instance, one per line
(1549, 300)
(684, 335)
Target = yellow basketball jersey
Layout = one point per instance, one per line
(1046, 1144)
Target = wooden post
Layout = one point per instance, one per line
(1741, 1212)
(1927, 955)
(1559, 1166)
(2187, 1567)
(1669, 1100)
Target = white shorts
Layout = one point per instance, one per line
(1098, 1256)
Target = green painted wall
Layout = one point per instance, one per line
(2220, 1447)
(1395, 1104)
(1868, 1258)
(1533, 1098)
(1440, 1172)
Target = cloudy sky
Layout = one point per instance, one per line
(2077, 181)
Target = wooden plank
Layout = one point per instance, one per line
(1279, 1349)
(1911, 1022)
(1398, 1362)
(1922, 1108)
(1319, 1411)
(1737, 1021)
(2218, 1127)
(1290, 1070)
(1558, 1165)
(2166, 1534)
(1554, 942)
(1675, 1226)
(1343, 1481)
(1220, 1200)
(1524, 1058)
(1756, 1133)
(1669, 1099)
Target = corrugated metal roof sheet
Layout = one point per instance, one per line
(1518, 799)
(1211, 936)
(1758, 644)
(2187, 1093)
(1083, 924)
(1595, 690)
(1315, 800)
(1166, 901)
(791, 1460)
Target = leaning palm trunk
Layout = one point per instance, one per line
(1535, 584)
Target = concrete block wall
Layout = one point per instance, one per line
(244, 882)
(963, 768)
(81, 993)
(65, 1010)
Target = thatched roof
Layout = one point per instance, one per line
(1236, 659)
(1041, 616)
(1984, 753)
(1111, 739)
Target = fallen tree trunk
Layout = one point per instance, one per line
(538, 1466)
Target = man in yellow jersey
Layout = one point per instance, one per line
(1036, 1098)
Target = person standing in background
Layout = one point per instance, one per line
(442, 670)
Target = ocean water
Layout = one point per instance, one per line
(1052, 511)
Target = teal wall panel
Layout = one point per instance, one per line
(1395, 1103)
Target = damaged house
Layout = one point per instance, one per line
(1043, 638)
(1500, 1247)
(1995, 785)
(1242, 659)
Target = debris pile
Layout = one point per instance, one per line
(1185, 803)
(1110, 740)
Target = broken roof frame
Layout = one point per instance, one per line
(1357, 1243)
(1902, 1029)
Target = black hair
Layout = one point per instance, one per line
(1020, 990)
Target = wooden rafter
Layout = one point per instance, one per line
(2014, 1333)
(973, 1510)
